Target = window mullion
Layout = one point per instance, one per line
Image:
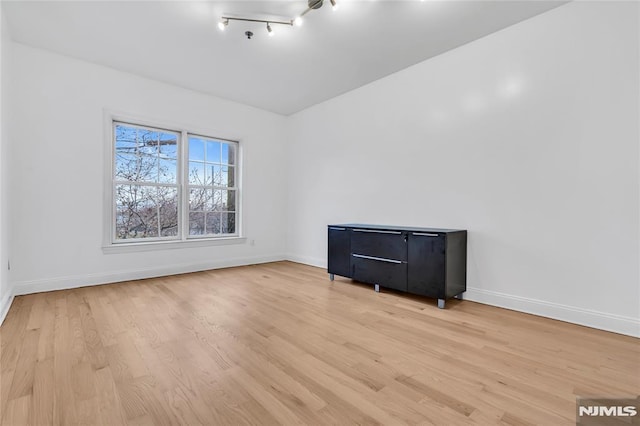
(184, 184)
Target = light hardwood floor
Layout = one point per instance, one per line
(280, 344)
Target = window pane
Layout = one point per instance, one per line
(147, 142)
(211, 170)
(124, 215)
(228, 200)
(168, 172)
(228, 173)
(216, 201)
(213, 223)
(228, 153)
(213, 152)
(216, 172)
(228, 223)
(135, 168)
(125, 140)
(126, 167)
(168, 146)
(196, 173)
(196, 149)
(168, 211)
(136, 211)
(221, 175)
(196, 223)
(199, 199)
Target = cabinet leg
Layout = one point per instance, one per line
(458, 296)
(331, 277)
(441, 303)
(376, 287)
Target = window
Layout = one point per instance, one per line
(172, 185)
(212, 190)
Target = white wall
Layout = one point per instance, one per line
(6, 291)
(527, 138)
(58, 172)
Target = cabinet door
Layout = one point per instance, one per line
(426, 264)
(339, 256)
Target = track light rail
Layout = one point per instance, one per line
(262, 21)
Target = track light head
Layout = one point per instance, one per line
(269, 29)
(298, 21)
(334, 5)
(223, 24)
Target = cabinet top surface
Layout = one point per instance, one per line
(395, 228)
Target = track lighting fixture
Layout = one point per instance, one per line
(223, 24)
(225, 21)
(312, 4)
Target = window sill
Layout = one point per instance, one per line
(171, 245)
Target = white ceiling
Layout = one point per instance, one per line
(178, 42)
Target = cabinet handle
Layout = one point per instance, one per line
(381, 259)
(333, 228)
(378, 232)
(423, 234)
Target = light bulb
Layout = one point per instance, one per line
(223, 24)
(334, 5)
(298, 21)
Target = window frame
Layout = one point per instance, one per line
(113, 245)
(188, 186)
(115, 183)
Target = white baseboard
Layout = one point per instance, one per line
(601, 320)
(312, 261)
(5, 304)
(64, 283)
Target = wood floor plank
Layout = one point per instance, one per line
(274, 406)
(18, 412)
(12, 335)
(43, 392)
(22, 383)
(109, 403)
(279, 343)
(64, 404)
(47, 330)
(92, 342)
(38, 310)
(142, 396)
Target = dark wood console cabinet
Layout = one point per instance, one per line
(426, 261)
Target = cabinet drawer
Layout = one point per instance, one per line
(385, 244)
(386, 272)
